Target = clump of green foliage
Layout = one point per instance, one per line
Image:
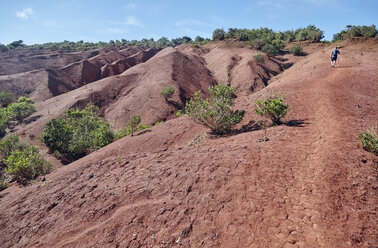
(270, 50)
(21, 161)
(296, 50)
(259, 59)
(21, 109)
(369, 140)
(134, 122)
(180, 113)
(215, 112)
(14, 113)
(6, 98)
(167, 92)
(272, 107)
(134, 125)
(356, 31)
(218, 34)
(77, 134)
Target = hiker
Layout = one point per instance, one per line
(334, 56)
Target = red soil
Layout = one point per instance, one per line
(310, 185)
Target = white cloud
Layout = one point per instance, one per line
(131, 6)
(25, 13)
(132, 21)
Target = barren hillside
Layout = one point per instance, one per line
(310, 185)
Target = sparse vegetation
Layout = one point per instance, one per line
(259, 59)
(134, 122)
(356, 31)
(77, 134)
(167, 92)
(296, 50)
(272, 107)
(21, 161)
(369, 140)
(134, 125)
(215, 112)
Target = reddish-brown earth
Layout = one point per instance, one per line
(310, 185)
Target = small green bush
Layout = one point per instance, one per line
(21, 160)
(78, 134)
(272, 108)
(6, 98)
(278, 44)
(215, 112)
(259, 59)
(296, 50)
(180, 113)
(128, 131)
(134, 122)
(57, 135)
(3, 185)
(26, 164)
(21, 109)
(369, 140)
(270, 50)
(8, 145)
(4, 121)
(167, 92)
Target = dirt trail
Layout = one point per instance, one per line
(310, 185)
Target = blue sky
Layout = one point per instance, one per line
(41, 21)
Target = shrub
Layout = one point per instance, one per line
(23, 108)
(134, 122)
(4, 121)
(259, 59)
(127, 130)
(8, 145)
(6, 98)
(180, 113)
(369, 140)
(21, 160)
(257, 44)
(3, 184)
(219, 34)
(272, 108)
(167, 92)
(270, 50)
(3, 48)
(199, 39)
(78, 134)
(296, 50)
(215, 112)
(278, 44)
(57, 135)
(25, 163)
